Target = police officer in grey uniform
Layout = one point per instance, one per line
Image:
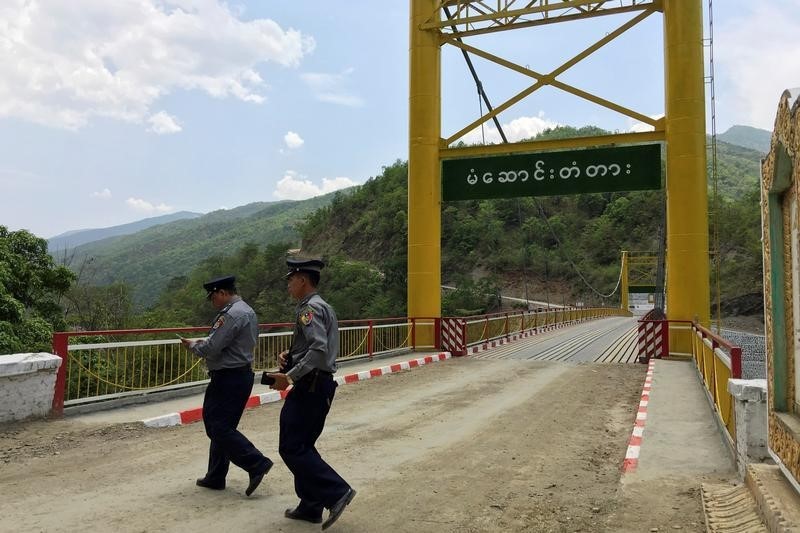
(228, 351)
(309, 366)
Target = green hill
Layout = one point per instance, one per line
(748, 137)
(74, 238)
(559, 249)
(556, 248)
(738, 169)
(149, 259)
(546, 244)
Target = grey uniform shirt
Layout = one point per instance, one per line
(232, 338)
(316, 337)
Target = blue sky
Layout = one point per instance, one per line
(112, 112)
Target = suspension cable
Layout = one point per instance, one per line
(569, 259)
(478, 83)
(525, 253)
(480, 112)
(714, 174)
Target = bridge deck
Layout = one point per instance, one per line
(464, 445)
(608, 340)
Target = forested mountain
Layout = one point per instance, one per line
(737, 170)
(147, 260)
(546, 244)
(558, 249)
(478, 237)
(748, 137)
(74, 238)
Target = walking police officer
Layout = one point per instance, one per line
(309, 366)
(228, 351)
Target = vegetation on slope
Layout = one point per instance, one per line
(146, 261)
(31, 286)
(558, 249)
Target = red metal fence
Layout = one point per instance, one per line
(100, 365)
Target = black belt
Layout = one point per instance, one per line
(243, 368)
(316, 373)
(311, 378)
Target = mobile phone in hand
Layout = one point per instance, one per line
(266, 379)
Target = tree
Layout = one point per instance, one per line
(89, 306)
(470, 297)
(99, 307)
(259, 280)
(31, 287)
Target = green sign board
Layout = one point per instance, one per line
(642, 289)
(623, 168)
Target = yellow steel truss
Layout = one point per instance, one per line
(642, 269)
(448, 22)
(639, 269)
(584, 10)
(477, 17)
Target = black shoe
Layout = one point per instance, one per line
(255, 479)
(338, 508)
(206, 484)
(295, 514)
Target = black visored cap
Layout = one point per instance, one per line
(304, 265)
(223, 283)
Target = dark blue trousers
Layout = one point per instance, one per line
(302, 419)
(224, 403)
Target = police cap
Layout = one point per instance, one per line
(224, 283)
(304, 265)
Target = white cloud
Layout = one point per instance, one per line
(755, 55)
(295, 187)
(63, 63)
(332, 88)
(163, 123)
(516, 130)
(641, 127)
(348, 100)
(335, 184)
(293, 140)
(105, 194)
(143, 205)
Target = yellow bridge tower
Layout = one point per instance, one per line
(435, 23)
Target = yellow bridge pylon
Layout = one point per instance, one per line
(639, 275)
(436, 23)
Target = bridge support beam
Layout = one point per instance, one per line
(424, 177)
(688, 291)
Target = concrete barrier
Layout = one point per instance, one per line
(27, 384)
(750, 410)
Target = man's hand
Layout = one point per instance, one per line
(282, 358)
(281, 381)
(187, 343)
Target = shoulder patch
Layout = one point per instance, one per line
(218, 324)
(306, 316)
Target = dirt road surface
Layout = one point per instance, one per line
(460, 446)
